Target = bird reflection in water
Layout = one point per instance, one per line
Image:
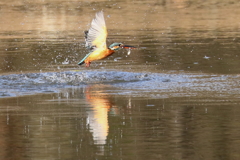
(98, 117)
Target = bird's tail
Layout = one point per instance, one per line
(82, 61)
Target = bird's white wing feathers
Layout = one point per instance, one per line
(97, 34)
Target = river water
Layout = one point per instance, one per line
(174, 97)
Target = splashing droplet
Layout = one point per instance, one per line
(129, 51)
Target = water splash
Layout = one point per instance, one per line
(31, 83)
(155, 84)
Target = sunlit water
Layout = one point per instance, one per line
(175, 97)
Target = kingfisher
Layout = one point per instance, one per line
(95, 39)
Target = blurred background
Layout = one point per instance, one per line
(175, 97)
(171, 35)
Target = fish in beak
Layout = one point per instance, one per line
(128, 48)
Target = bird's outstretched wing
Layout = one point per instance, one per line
(97, 34)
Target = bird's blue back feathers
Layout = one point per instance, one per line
(82, 61)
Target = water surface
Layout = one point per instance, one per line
(175, 97)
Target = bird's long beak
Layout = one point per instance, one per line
(128, 47)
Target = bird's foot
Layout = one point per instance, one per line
(87, 64)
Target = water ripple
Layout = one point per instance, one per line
(134, 83)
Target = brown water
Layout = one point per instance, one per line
(175, 97)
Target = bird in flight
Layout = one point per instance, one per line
(95, 39)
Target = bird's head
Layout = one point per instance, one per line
(118, 46)
(115, 46)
